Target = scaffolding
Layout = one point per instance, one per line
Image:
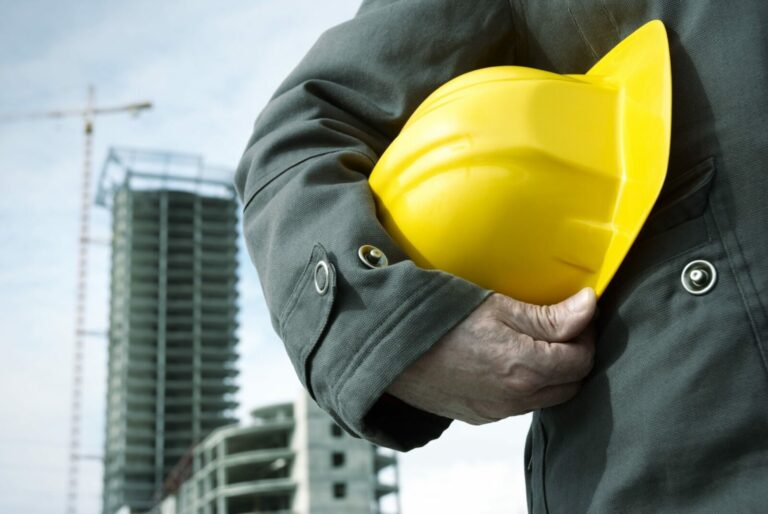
(173, 316)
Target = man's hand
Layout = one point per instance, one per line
(506, 358)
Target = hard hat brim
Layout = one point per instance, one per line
(640, 67)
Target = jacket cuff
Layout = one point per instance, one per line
(361, 400)
(401, 425)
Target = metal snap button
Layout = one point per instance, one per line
(321, 277)
(699, 277)
(372, 257)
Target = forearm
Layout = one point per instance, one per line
(303, 179)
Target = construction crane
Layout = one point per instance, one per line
(87, 114)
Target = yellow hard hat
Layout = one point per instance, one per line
(531, 183)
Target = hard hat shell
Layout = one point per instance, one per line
(531, 183)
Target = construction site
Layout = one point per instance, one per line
(143, 371)
(172, 443)
(172, 439)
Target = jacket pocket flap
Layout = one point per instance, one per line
(683, 198)
(305, 316)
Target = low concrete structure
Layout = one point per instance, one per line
(292, 459)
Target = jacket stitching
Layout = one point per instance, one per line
(385, 327)
(271, 175)
(318, 335)
(745, 301)
(351, 372)
(724, 216)
(751, 281)
(290, 304)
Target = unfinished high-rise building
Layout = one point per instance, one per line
(173, 317)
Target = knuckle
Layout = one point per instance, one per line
(521, 385)
(504, 366)
(549, 319)
(481, 316)
(511, 308)
(507, 356)
(558, 359)
(501, 368)
(504, 307)
(497, 299)
(496, 303)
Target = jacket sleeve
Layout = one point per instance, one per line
(350, 330)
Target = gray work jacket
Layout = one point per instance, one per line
(674, 416)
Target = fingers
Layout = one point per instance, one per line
(569, 361)
(490, 411)
(528, 365)
(506, 358)
(554, 323)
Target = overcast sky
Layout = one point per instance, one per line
(209, 67)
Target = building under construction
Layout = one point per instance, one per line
(173, 317)
(291, 459)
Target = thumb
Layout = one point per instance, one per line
(562, 321)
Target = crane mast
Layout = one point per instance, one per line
(87, 114)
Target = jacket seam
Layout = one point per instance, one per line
(273, 174)
(611, 19)
(290, 304)
(739, 287)
(581, 32)
(758, 300)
